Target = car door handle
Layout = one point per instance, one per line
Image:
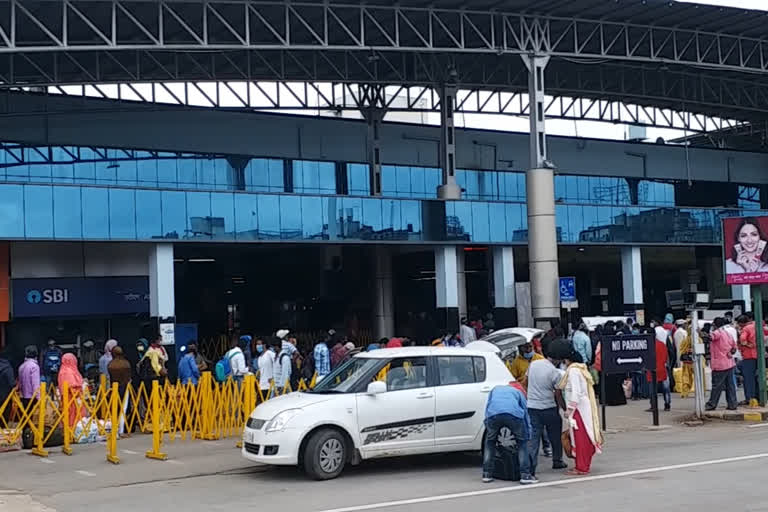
(424, 395)
(485, 389)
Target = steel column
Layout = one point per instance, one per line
(448, 189)
(540, 189)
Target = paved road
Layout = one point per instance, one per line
(640, 470)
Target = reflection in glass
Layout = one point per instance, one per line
(358, 180)
(95, 200)
(122, 214)
(11, 211)
(246, 216)
(269, 217)
(313, 218)
(149, 218)
(200, 224)
(38, 218)
(222, 216)
(174, 216)
(67, 211)
(290, 218)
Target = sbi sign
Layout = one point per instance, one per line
(48, 296)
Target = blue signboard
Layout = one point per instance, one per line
(80, 296)
(568, 289)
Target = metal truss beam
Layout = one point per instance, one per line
(112, 25)
(605, 92)
(326, 98)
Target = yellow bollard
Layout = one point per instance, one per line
(65, 405)
(114, 403)
(39, 450)
(157, 427)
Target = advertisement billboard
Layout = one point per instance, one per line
(745, 250)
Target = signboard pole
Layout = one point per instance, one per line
(602, 397)
(654, 397)
(757, 298)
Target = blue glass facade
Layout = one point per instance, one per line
(104, 194)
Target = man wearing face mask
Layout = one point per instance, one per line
(525, 356)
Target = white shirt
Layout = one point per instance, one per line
(679, 336)
(266, 369)
(467, 334)
(237, 362)
(661, 334)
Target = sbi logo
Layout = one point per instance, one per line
(48, 296)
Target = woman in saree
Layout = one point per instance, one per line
(581, 418)
(686, 367)
(69, 374)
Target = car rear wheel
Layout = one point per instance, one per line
(325, 454)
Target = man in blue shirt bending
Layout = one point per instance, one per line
(507, 407)
(188, 371)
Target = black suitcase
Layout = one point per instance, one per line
(506, 465)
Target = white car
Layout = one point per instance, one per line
(429, 400)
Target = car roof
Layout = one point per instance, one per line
(526, 332)
(384, 353)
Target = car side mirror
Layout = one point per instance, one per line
(377, 387)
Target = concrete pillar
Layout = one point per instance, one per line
(540, 189)
(162, 296)
(449, 189)
(384, 302)
(504, 287)
(742, 293)
(447, 287)
(632, 281)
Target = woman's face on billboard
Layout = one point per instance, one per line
(749, 237)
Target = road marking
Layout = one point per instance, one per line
(130, 452)
(565, 481)
(85, 473)
(758, 425)
(46, 460)
(176, 462)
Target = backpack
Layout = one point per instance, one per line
(223, 368)
(51, 361)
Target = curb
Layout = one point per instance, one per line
(748, 416)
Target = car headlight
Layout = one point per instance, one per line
(281, 420)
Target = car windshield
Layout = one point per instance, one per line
(345, 378)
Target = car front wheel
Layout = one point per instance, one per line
(325, 454)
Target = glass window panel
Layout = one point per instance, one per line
(459, 225)
(327, 178)
(166, 173)
(276, 180)
(174, 205)
(290, 217)
(269, 217)
(372, 221)
(199, 222)
(127, 173)
(12, 211)
(517, 228)
(85, 172)
(95, 200)
(410, 218)
(560, 188)
(40, 173)
(332, 211)
(358, 180)
(222, 174)
(63, 173)
(350, 216)
(488, 183)
(146, 171)
(312, 218)
(388, 181)
(186, 170)
(402, 181)
(122, 214)
(149, 216)
(481, 229)
(67, 212)
(498, 224)
(432, 180)
(246, 216)
(106, 171)
(222, 216)
(391, 220)
(38, 203)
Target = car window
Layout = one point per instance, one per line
(458, 370)
(404, 373)
(479, 363)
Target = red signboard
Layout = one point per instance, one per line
(745, 250)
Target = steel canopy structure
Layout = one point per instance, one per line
(650, 62)
(703, 60)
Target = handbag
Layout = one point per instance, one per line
(565, 438)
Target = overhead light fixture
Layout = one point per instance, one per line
(201, 260)
(178, 260)
(581, 249)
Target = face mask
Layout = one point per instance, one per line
(259, 348)
(529, 355)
